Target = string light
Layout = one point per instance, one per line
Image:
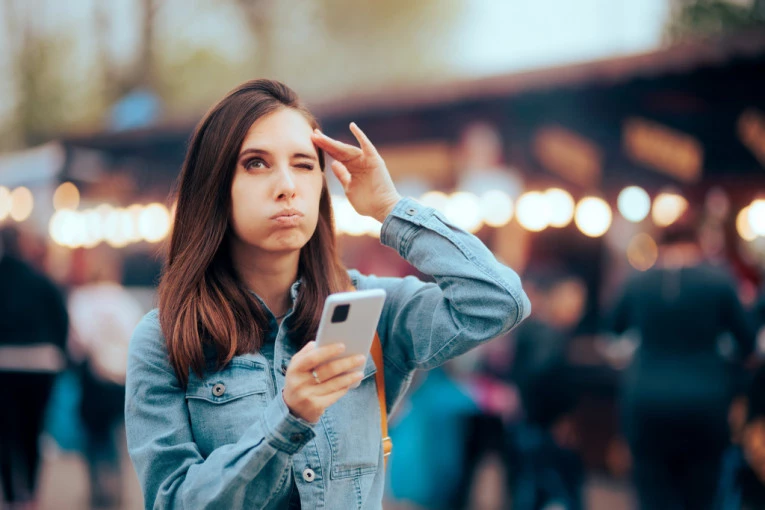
(22, 203)
(66, 196)
(593, 216)
(634, 203)
(561, 206)
(533, 211)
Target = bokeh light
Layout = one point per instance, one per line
(435, 199)
(642, 252)
(744, 226)
(756, 217)
(667, 208)
(5, 202)
(634, 203)
(134, 212)
(22, 203)
(463, 210)
(533, 211)
(561, 207)
(94, 229)
(593, 216)
(496, 208)
(66, 196)
(63, 228)
(154, 222)
(117, 228)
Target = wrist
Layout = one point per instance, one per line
(389, 206)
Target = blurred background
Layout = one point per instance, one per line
(578, 140)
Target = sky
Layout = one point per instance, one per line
(499, 36)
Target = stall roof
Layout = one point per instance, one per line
(676, 59)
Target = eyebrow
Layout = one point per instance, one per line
(266, 153)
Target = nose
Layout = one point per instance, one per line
(285, 184)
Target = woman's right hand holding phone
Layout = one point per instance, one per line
(315, 380)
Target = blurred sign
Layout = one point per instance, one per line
(569, 155)
(429, 161)
(36, 166)
(139, 108)
(751, 130)
(670, 152)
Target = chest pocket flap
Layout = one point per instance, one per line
(238, 379)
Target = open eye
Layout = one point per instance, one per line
(254, 164)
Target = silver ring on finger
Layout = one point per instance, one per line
(315, 376)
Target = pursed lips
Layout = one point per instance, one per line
(288, 217)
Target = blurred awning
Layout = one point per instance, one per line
(680, 114)
(681, 58)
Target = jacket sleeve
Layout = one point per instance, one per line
(474, 298)
(172, 472)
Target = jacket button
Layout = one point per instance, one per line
(309, 475)
(284, 369)
(219, 389)
(411, 211)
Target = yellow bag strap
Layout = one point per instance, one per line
(377, 356)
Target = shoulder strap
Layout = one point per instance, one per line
(377, 356)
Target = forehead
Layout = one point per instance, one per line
(283, 129)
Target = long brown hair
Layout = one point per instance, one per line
(202, 301)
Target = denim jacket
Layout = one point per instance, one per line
(228, 440)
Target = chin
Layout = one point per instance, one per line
(295, 243)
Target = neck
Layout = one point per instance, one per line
(269, 275)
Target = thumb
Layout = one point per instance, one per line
(342, 174)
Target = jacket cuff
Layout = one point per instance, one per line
(403, 222)
(285, 431)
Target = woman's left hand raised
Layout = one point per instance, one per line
(362, 172)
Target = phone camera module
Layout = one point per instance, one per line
(340, 313)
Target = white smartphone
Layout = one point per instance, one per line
(351, 318)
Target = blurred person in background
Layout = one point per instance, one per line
(228, 402)
(742, 483)
(677, 390)
(33, 333)
(429, 430)
(103, 315)
(548, 466)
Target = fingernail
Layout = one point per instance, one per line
(360, 358)
(359, 375)
(340, 347)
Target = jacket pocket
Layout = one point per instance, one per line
(352, 426)
(223, 404)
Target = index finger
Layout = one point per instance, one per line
(338, 150)
(308, 360)
(365, 143)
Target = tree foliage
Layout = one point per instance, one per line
(692, 18)
(321, 47)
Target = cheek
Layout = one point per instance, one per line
(244, 210)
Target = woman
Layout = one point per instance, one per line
(677, 390)
(228, 402)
